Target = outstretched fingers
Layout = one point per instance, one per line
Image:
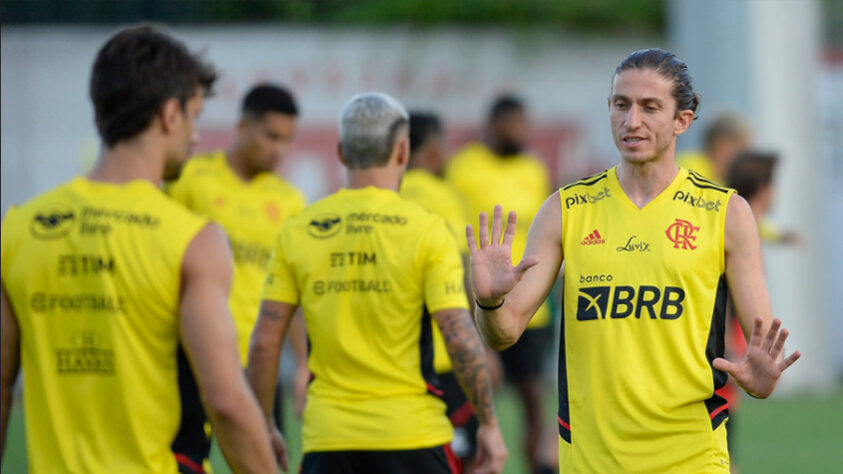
(469, 236)
(724, 365)
(789, 360)
(483, 231)
(778, 346)
(509, 234)
(497, 224)
(771, 335)
(755, 337)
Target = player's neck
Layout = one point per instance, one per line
(642, 182)
(235, 160)
(379, 177)
(129, 161)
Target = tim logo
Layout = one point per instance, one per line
(681, 233)
(623, 301)
(52, 223)
(324, 226)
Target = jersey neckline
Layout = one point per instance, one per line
(615, 184)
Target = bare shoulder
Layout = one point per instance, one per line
(740, 223)
(549, 218)
(207, 252)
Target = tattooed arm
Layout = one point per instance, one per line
(264, 358)
(468, 358)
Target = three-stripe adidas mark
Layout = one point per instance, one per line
(594, 238)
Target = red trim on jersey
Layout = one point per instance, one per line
(562, 422)
(454, 462)
(461, 415)
(434, 390)
(189, 463)
(718, 410)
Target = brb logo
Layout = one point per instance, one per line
(618, 302)
(681, 233)
(324, 226)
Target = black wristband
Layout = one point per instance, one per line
(489, 308)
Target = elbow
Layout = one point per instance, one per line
(225, 405)
(499, 344)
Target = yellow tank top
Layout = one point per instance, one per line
(375, 270)
(519, 183)
(93, 273)
(251, 214)
(644, 309)
(437, 196)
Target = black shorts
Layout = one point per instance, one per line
(462, 416)
(525, 359)
(438, 460)
(192, 445)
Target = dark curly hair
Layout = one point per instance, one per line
(135, 72)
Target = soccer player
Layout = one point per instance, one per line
(498, 170)
(376, 271)
(650, 252)
(104, 275)
(726, 136)
(239, 190)
(423, 184)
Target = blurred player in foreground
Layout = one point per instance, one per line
(423, 185)
(644, 302)
(239, 190)
(499, 171)
(104, 275)
(376, 270)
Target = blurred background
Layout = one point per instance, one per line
(777, 63)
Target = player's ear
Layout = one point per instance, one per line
(340, 155)
(402, 151)
(171, 114)
(682, 122)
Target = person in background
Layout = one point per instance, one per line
(103, 276)
(726, 136)
(240, 189)
(424, 185)
(378, 270)
(499, 170)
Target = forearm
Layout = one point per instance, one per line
(468, 358)
(242, 433)
(500, 327)
(298, 339)
(263, 371)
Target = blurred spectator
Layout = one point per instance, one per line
(726, 136)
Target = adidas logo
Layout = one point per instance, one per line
(594, 238)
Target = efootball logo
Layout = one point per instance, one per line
(324, 226)
(53, 222)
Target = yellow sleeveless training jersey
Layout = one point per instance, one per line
(93, 273)
(519, 183)
(437, 196)
(251, 214)
(644, 310)
(369, 269)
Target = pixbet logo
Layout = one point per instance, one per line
(697, 201)
(681, 233)
(586, 198)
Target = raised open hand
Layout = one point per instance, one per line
(758, 373)
(492, 273)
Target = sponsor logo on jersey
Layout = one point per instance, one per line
(633, 245)
(622, 301)
(324, 226)
(697, 201)
(681, 233)
(53, 222)
(594, 238)
(587, 198)
(86, 354)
